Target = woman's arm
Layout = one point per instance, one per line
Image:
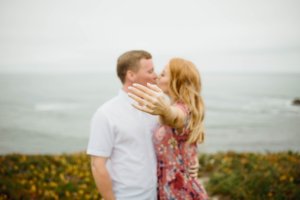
(173, 117)
(152, 100)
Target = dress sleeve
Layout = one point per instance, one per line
(186, 112)
(101, 136)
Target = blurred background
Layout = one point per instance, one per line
(58, 60)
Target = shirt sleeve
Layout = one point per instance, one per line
(101, 136)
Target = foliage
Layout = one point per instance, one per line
(231, 176)
(253, 176)
(46, 177)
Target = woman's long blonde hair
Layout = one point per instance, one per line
(185, 86)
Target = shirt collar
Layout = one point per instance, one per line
(125, 96)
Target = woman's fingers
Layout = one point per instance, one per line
(151, 93)
(137, 99)
(143, 108)
(150, 100)
(141, 94)
(145, 89)
(154, 87)
(141, 102)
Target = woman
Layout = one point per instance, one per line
(181, 127)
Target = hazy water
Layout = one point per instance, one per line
(50, 113)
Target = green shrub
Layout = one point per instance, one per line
(231, 176)
(46, 177)
(256, 176)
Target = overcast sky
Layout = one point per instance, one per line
(214, 34)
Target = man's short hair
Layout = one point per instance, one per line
(130, 60)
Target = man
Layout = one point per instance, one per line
(122, 155)
(123, 159)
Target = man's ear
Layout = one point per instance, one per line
(131, 76)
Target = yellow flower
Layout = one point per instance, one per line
(46, 170)
(67, 193)
(53, 184)
(283, 178)
(244, 161)
(33, 189)
(270, 194)
(23, 181)
(62, 177)
(173, 143)
(83, 186)
(81, 192)
(23, 158)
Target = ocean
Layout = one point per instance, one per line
(50, 113)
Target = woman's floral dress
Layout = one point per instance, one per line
(174, 156)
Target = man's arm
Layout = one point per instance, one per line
(102, 177)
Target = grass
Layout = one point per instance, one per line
(231, 176)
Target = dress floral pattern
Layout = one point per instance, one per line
(174, 156)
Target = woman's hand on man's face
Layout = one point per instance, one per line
(150, 99)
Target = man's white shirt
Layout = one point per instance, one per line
(123, 134)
